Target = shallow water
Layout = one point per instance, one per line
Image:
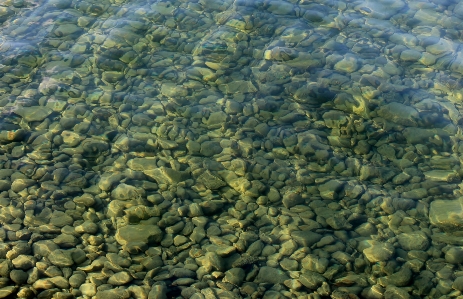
(231, 149)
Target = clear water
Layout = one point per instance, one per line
(231, 149)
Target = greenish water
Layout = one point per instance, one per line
(231, 149)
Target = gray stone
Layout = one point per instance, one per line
(60, 282)
(376, 251)
(24, 262)
(142, 164)
(118, 260)
(447, 214)
(210, 148)
(289, 264)
(165, 175)
(238, 86)
(19, 276)
(126, 192)
(113, 294)
(20, 184)
(419, 135)
(311, 280)
(211, 181)
(347, 64)
(413, 241)
(273, 294)
(88, 289)
(183, 282)
(34, 113)
(139, 233)
(88, 227)
(61, 258)
(212, 260)
(235, 276)
(198, 234)
(334, 119)
(109, 180)
(393, 292)
(61, 219)
(305, 238)
(271, 275)
(77, 279)
(399, 279)
(241, 185)
(216, 120)
(44, 247)
(120, 278)
(448, 176)
(292, 199)
(314, 263)
(330, 189)
(157, 292)
(410, 55)
(458, 283)
(78, 256)
(85, 200)
(387, 151)
(5, 292)
(255, 249)
(418, 193)
(454, 255)
(183, 273)
(66, 241)
(5, 268)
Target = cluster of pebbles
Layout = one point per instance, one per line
(231, 149)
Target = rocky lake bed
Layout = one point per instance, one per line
(231, 149)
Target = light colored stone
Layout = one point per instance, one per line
(138, 233)
(33, 113)
(447, 214)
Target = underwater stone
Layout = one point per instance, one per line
(35, 113)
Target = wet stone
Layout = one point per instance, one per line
(210, 148)
(419, 193)
(88, 289)
(399, 279)
(165, 175)
(44, 247)
(376, 251)
(292, 199)
(413, 241)
(211, 181)
(60, 219)
(446, 214)
(24, 262)
(442, 176)
(19, 276)
(305, 238)
(120, 278)
(311, 280)
(77, 279)
(289, 265)
(399, 113)
(5, 292)
(61, 258)
(314, 263)
(138, 233)
(113, 294)
(454, 255)
(270, 275)
(20, 184)
(37, 113)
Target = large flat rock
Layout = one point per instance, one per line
(138, 233)
(447, 214)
